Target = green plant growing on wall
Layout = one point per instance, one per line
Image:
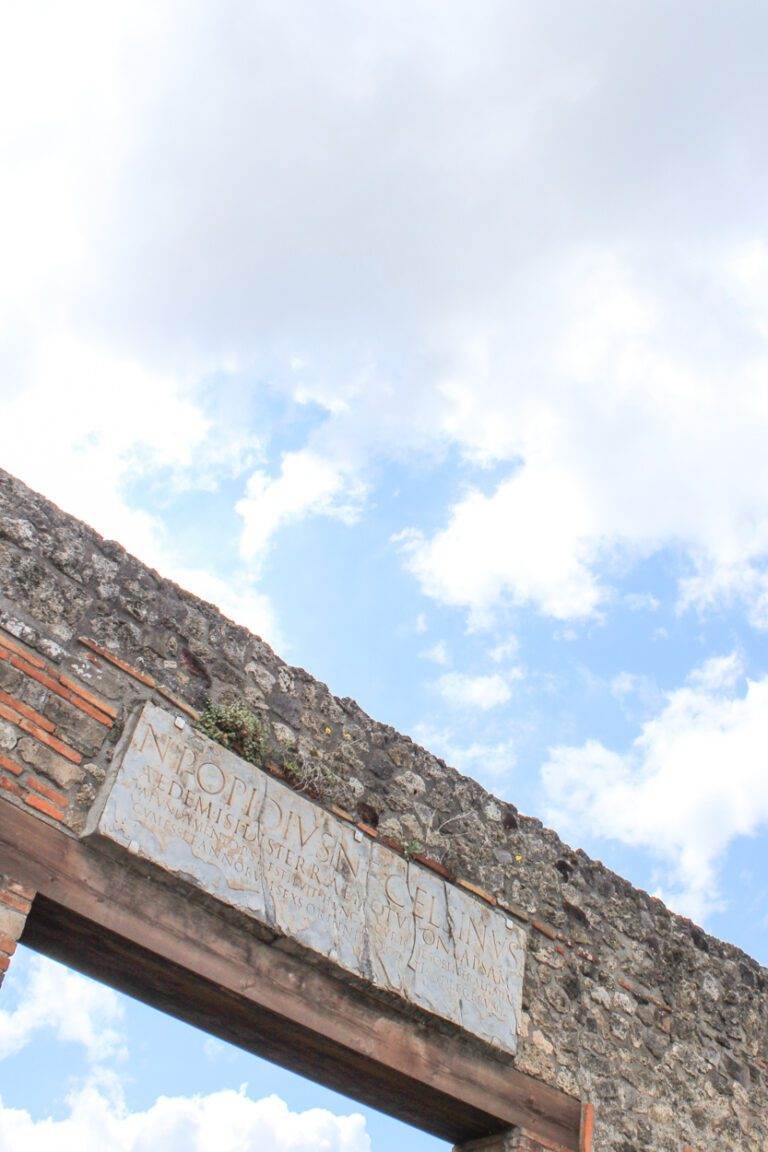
(237, 728)
(305, 776)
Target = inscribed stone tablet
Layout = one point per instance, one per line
(197, 810)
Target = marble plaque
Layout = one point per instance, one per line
(196, 810)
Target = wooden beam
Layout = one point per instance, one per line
(117, 921)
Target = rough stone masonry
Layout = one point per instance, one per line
(662, 1027)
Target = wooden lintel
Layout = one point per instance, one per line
(114, 920)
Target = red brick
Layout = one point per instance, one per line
(434, 865)
(54, 683)
(10, 786)
(51, 794)
(4, 962)
(42, 675)
(342, 813)
(7, 945)
(89, 710)
(25, 710)
(51, 741)
(178, 702)
(10, 714)
(13, 646)
(642, 994)
(15, 901)
(44, 806)
(545, 929)
(513, 910)
(7, 884)
(123, 665)
(477, 891)
(91, 697)
(587, 1127)
(10, 765)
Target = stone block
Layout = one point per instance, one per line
(50, 763)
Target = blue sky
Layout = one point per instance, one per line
(430, 342)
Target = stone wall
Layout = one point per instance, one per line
(15, 903)
(662, 1027)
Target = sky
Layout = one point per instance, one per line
(430, 341)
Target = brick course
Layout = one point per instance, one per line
(15, 903)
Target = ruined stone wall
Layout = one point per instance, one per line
(662, 1027)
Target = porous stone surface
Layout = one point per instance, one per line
(661, 1026)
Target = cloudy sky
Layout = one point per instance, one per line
(430, 340)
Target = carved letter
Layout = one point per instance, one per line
(390, 894)
(216, 778)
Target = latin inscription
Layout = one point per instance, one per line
(196, 809)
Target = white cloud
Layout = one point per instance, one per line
(307, 485)
(70, 1006)
(490, 761)
(749, 281)
(528, 540)
(638, 695)
(100, 422)
(226, 1121)
(505, 650)
(461, 690)
(693, 780)
(438, 653)
(600, 475)
(719, 673)
(77, 1010)
(103, 424)
(216, 1050)
(642, 602)
(354, 220)
(728, 583)
(625, 684)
